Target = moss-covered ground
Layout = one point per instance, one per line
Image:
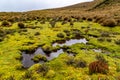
(37, 34)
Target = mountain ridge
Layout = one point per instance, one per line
(96, 4)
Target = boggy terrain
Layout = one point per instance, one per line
(62, 44)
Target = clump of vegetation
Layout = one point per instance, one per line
(42, 22)
(5, 23)
(67, 32)
(28, 75)
(37, 33)
(98, 67)
(47, 49)
(76, 62)
(60, 35)
(117, 42)
(40, 69)
(105, 34)
(76, 33)
(101, 58)
(89, 19)
(12, 20)
(109, 40)
(39, 57)
(101, 39)
(21, 25)
(70, 61)
(109, 22)
(71, 23)
(52, 23)
(80, 63)
(44, 69)
(64, 22)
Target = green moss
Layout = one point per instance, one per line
(44, 36)
(39, 57)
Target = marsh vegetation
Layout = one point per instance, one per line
(72, 46)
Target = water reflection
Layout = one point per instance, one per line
(27, 58)
(71, 42)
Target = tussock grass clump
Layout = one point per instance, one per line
(84, 18)
(47, 49)
(117, 42)
(64, 22)
(70, 61)
(76, 33)
(41, 69)
(80, 63)
(109, 39)
(42, 22)
(5, 23)
(52, 23)
(60, 35)
(71, 23)
(98, 67)
(21, 25)
(105, 34)
(39, 57)
(12, 20)
(109, 22)
(37, 33)
(67, 32)
(89, 19)
(101, 39)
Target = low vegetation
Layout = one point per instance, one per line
(97, 59)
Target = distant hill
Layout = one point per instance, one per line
(97, 10)
(96, 4)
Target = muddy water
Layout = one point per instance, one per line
(71, 42)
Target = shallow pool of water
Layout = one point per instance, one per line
(27, 58)
(71, 42)
(101, 51)
(97, 50)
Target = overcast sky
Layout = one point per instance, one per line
(27, 5)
